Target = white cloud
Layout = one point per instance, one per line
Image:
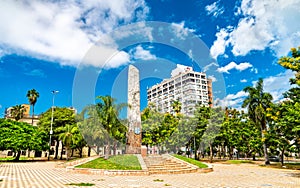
(264, 24)
(62, 30)
(180, 30)
(207, 67)
(233, 65)
(218, 48)
(214, 9)
(213, 79)
(276, 85)
(140, 53)
(233, 100)
(243, 81)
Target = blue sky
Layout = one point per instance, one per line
(83, 49)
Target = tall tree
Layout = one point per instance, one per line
(32, 96)
(108, 112)
(62, 117)
(17, 112)
(213, 129)
(289, 113)
(18, 136)
(257, 103)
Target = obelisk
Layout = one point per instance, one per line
(134, 134)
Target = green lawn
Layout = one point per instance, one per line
(118, 162)
(192, 161)
(293, 166)
(12, 158)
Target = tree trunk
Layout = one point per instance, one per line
(210, 153)
(72, 154)
(89, 151)
(56, 149)
(97, 150)
(28, 155)
(115, 148)
(18, 156)
(267, 161)
(107, 150)
(282, 156)
(32, 115)
(67, 158)
(61, 152)
(80, 152)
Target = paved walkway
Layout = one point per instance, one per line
(44, 174)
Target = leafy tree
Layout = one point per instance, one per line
(32, 96)
(17, 112)
(108, 112)
(199, 122)
(213, 128)
(91, 128)
(176, 105)
(157, 127)
(18, 136)
(257, 103)
(61, 118)
(286, 115)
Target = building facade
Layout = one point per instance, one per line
(185, 85)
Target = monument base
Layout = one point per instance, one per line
(133, 145)
(133, 150)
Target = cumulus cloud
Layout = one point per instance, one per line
(63, 30)
(219, 46)
(275, 85)
(140, 53)
(232, 100)
(263, 24)
(233, 65)
(180, 30)
(243, 81)
(214, 9)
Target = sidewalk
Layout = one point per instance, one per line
(44, 174)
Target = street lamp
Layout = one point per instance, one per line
(52, 111)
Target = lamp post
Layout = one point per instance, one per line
(52, 111)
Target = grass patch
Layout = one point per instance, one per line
(12, 158)
(118, 162)
(192, 161)
(292, 166)
(158, 180)
(239, 161)
(81, 184)
(166, 184)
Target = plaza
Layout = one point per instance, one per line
(46, 174)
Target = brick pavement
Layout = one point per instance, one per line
(44, 174)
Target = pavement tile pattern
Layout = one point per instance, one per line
(46, 175)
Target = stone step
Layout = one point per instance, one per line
(158, 164)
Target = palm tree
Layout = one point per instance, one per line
(257, 103)
(108, 113)
(32, 96)
(17, 112)
(68, 136)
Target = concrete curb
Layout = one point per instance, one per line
(143, 172)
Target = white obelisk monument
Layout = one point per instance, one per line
(134, 135)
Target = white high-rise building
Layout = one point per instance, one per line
(185, 85)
